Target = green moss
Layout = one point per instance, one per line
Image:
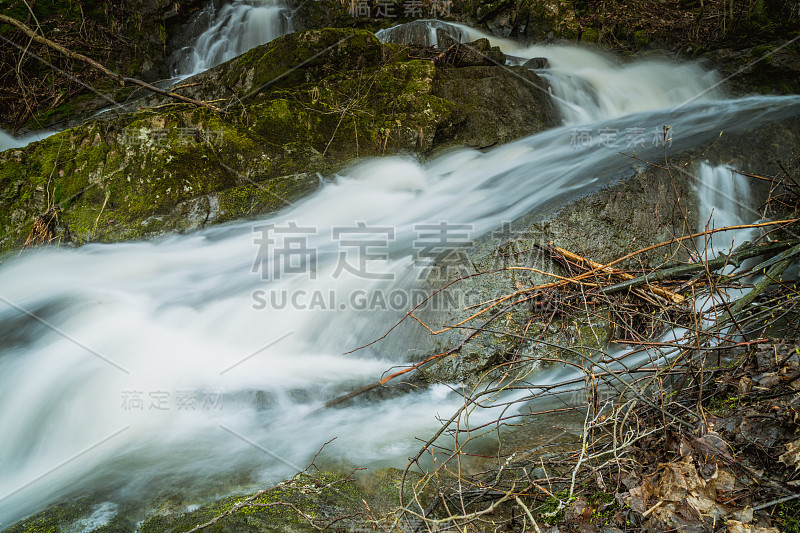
(292, 59)
(787, 516)
(314, 496)
(759, 51)
(551, 512)
(54, 519)
(177, 167)
(590, 35)
(267, 196)
(641, 38)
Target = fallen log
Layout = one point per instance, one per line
(777, 265)
(438, 59)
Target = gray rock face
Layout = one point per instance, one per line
(424, 33)
(759, 70)
(651, 205)
(536, 63)
(475, 54)
(522, 20)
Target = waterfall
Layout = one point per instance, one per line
(204, 360)
(587, 83)
(725, 200)
(232, 30)
(143, 349)
(224, 33)
(8, 141)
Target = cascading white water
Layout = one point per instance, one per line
(8, 141)
(234, 29)
(725, 200)
(588, 84)
(132, 367)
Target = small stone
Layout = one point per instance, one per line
(536, 63)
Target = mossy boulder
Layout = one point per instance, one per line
(302, 106)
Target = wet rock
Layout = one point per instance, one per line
(319, 14)
(476, 54)
(763, 69)
(423, 34)
(536, 63)
(525, 21)
(294, 114)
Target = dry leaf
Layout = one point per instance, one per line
(792, 455)
(734, 526)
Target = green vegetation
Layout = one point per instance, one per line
(788, 516)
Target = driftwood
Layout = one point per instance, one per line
(97, 66)
(673, 297)
(438, 59)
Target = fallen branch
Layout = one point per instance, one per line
(438, 59)
(779, 264)
(98, 66)
(578, 279)
(735, 259)
(673, 297)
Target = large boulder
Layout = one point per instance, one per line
(305, 104)
(648, 205)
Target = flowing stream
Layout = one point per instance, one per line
(139, 368)
(232, 30)
(8, 141)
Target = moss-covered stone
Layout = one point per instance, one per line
(304, 104)
(291, 505)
